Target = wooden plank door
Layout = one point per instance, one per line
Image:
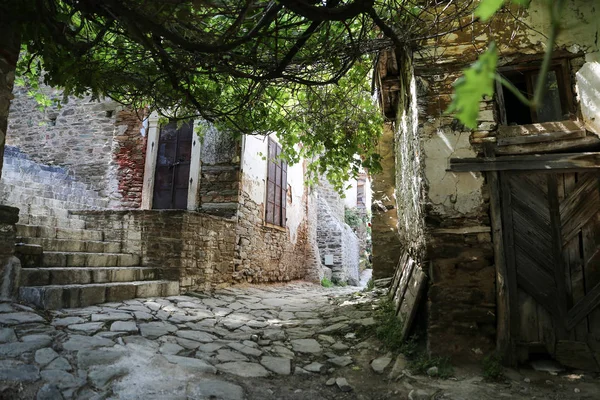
(171, 179)
(551, 224)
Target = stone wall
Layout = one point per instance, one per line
(129, 157)
(312, 257)
(335, 237)
(195, 248)
(219, 173)
(97, 143)
(268, 253)
(42, 190)
(78, 136)
(9, 265)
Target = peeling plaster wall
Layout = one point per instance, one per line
(450, 194)
(458, 242)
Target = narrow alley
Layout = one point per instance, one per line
(284, 341)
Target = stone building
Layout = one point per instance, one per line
(495, 231)
(113, 205)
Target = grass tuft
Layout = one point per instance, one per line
(421, 363)
(492, 368)
(326, 282)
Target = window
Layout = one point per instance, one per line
(557, 105)
(276, 186)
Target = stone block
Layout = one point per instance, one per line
(149, 289)
(94, 294)
(170, 288)
(120, 292)
(10, 270)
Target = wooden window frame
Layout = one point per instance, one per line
(276, 193)
(563, 77)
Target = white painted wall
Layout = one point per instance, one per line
(588, 92)
(254, 180)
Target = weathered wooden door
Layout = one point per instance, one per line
(551, 227)
(171, 179)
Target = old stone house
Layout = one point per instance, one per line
(114, 205)
(492, 235)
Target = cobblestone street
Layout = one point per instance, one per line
(294, 341)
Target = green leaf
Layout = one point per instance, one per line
(477, 81)
(487, 8)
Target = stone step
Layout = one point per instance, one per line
(74, 246)
(72, 222)
(74, 259)
(73, 276)
(70, 296)
(59, 233)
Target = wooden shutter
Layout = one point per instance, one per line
(276, 186)
(270, 213)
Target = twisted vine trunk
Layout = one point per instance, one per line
(9, 54)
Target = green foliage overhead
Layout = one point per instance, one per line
(477, 81)
(298, 68)
(487, 8)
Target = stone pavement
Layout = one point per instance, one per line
(293, 341)
(176, 347)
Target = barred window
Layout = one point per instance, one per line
(276, 186)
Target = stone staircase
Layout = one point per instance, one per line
(64, 263)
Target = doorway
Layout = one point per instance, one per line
(551, 223)
(171, 176)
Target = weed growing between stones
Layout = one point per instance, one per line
(424, 364)
(370, 285)
(492, 368)
(388, 330)
(326, 282)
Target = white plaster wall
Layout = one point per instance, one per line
(254, 180)
(588, 92)
(450, 193)
(579, 22)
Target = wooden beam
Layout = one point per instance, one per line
(510, 267)
(583, 307)
(540, 128)
(540, 162)
(541, 137)
(589, 143)
(557, 253)
(505, 345)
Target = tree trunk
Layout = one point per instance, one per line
(9, 54)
